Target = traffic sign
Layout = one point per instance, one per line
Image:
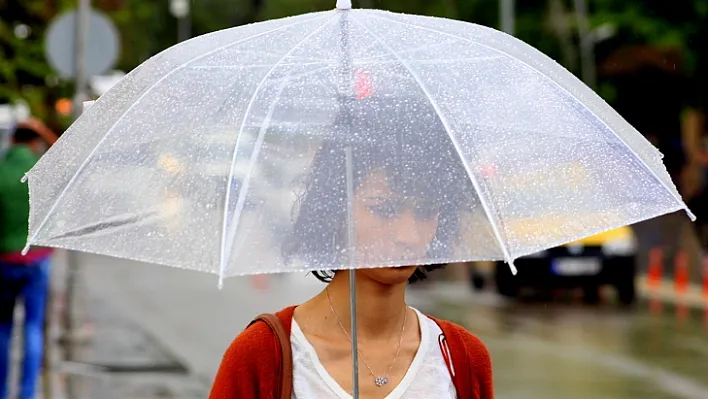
(102, 44)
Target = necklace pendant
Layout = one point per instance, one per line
(381, 381)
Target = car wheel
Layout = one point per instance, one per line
(627, 292)
(507, 284)
(477, 281)
(591, 295)
(625, 283)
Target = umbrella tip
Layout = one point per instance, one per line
(25, 249)
(24, 178)
(220, 286)
(513, 268)
(690, 214)
(344, 4)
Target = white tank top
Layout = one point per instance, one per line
(426, 378)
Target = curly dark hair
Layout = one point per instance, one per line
(403, 138)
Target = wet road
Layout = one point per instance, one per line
(567, 350)
(539, 350)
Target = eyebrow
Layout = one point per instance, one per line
(379, 198)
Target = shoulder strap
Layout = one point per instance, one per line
(454, 352)
(445, 350)
(285, 368)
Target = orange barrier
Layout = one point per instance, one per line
(656, 257)
(681, 272)
(705, 277)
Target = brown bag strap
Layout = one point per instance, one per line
(285, 368)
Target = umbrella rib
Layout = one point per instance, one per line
(225, 255)
(486, 205)
(641, 161)
(130, 108)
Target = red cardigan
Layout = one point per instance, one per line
(249, 368)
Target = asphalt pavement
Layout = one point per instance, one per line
(563, 349)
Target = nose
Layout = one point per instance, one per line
(406, 232)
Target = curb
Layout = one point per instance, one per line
(666, 290)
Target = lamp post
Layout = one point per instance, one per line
(180, 9)
(587, 44)
(507, 16)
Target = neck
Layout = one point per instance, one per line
(380, 308)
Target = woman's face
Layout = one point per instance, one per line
(391, 227)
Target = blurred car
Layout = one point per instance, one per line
(608, 258)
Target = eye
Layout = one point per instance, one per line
(426, 211)
(387, 211)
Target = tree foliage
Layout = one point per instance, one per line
(147, 27)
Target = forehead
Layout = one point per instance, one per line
(383, 183)
(374, 185)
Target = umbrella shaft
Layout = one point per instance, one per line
(352, 272)
(355, 349)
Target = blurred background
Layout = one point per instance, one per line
(619, 315)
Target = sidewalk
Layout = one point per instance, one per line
(120, 360)
(665, 291)
(117, 358)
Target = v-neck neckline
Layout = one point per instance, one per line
(402, 386)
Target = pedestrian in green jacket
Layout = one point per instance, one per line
(22, 276)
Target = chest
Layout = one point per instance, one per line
(378, 365)
(419, 370)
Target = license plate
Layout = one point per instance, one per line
(576, 266)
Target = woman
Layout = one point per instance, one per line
(409, 189)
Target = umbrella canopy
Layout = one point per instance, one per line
(227, 153)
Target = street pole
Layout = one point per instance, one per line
(184, 25)
(507, 16)
(587, 45)
(82, 18)
(365, 4)
(180, 9)
(80, 95)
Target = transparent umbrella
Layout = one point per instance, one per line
(294, 145)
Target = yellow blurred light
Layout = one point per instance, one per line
(170, 164)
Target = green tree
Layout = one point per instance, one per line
(24, 71)
(146, 28)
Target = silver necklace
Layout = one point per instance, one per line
(378, 380)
